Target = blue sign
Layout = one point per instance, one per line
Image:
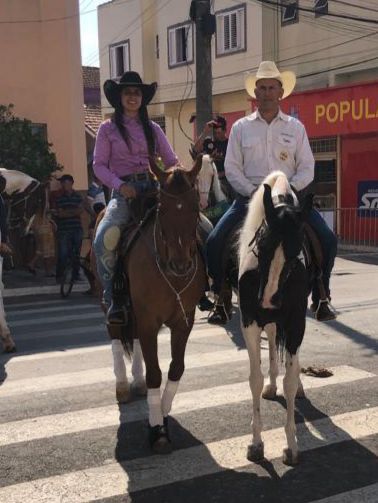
(367, 202)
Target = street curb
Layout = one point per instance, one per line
(39, 290)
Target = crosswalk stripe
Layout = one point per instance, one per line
(368, 494)
(45, 312)
(102, 417)
(56, 319)
(164, 336)
(86, 377)
(17, 305)
(115, 479)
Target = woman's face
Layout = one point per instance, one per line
(131, 99)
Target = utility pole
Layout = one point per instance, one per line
(205, 28)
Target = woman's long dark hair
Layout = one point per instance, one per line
(146, 124)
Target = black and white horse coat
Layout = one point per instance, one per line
(273, 290)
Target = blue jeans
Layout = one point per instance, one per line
(69, 245)
(328, 242)
(108, 234)
(216, 241)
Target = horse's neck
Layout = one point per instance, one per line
(16, 181)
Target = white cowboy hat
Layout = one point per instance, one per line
(269, 70)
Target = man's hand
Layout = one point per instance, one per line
(5, 249)
(127, 191)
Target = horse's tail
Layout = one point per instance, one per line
(280, 340)
(127, 339)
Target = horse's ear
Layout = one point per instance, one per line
(307, 206)
(156, 170)
(193, 173)
(268, 203)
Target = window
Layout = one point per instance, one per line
(119, 59)
(321, 145)
(321, 7)
(159, 119)
(289, 12)
(231, 30)
(180, 44)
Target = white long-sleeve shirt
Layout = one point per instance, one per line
(256, 148)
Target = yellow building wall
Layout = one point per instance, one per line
(41, 75)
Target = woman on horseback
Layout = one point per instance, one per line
(124, 144)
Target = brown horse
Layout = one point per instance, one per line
(166, 277)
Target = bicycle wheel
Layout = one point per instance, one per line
(67, 281)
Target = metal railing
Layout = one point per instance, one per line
(356, 228)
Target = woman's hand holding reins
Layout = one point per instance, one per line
(127, 191)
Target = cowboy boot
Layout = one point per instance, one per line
(117, 312)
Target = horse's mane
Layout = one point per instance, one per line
(256, 213)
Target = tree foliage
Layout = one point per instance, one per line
(24, 149)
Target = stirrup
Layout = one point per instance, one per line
(328, 304)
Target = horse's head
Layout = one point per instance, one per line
(178, 214)
(279, 243)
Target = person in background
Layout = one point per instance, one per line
(215, 132)
(69, 207)
(44, 230)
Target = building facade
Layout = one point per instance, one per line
(41, 74)
(331, 50)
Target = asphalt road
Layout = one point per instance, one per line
(63, 438)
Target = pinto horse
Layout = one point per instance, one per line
(166, 278)
(273, 289)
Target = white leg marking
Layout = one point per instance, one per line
(169, 393)
(290, 386)
(137, 370)
(252, 336)
(155, 415)
(275, 270)
(270, 389)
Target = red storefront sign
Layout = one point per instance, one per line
(336, 111)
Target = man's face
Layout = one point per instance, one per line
(268, 94)
(67, 185)
(219, 133)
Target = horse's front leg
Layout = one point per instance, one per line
(179, 338)
(270, 390)
(138, 384)
(119, 367)
(290, 386)
(252, 336)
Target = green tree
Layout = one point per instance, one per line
(23, 149)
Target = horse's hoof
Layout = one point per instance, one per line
(159, 439)
(138, 388)
(9, 348)
(300, 392)
(289, 458)
(123, 392)
(269, 392)
(255, 453)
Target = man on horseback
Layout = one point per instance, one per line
(265, 141)
(121, 162)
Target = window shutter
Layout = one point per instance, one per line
(189, 43)
(220, 34)
(234, 31)
(226, 31)
(241, 29)
(126, 62)
(172, 47)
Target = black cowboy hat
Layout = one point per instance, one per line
(112, 89)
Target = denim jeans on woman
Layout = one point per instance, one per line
(108, 234)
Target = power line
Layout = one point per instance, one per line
(330, 14)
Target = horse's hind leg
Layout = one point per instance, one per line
(138, 385)
(290, 386)
(252, 336)
(270, 390)
(119, 367)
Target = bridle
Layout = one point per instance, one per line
(165, 270)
